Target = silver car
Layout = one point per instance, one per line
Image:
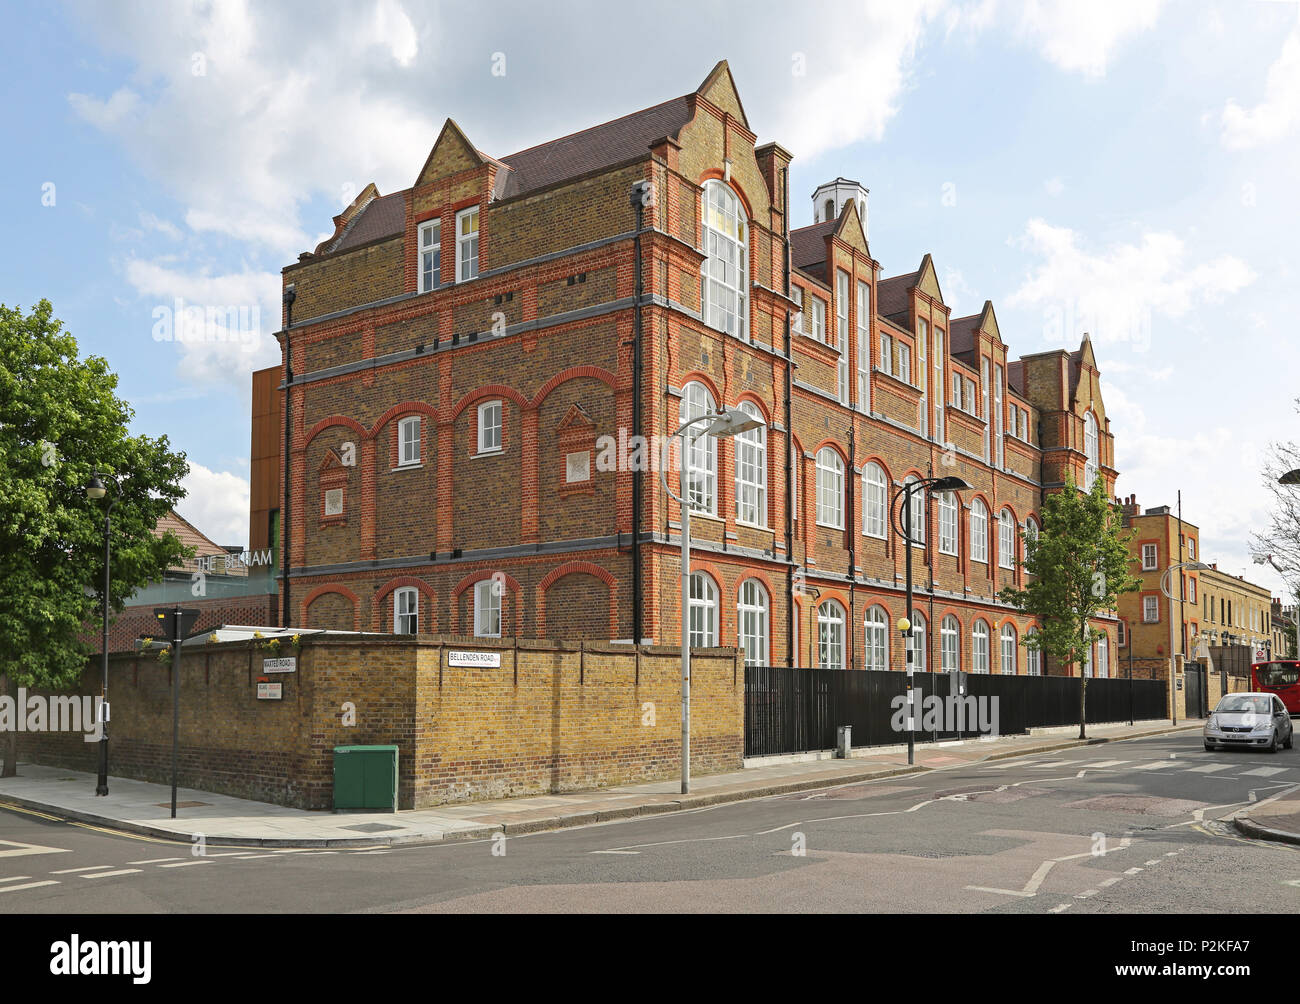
(1253, 719)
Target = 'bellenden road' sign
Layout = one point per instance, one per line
(486, 659)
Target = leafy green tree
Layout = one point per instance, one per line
(61, 420)
(1079, 565)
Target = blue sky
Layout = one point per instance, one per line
(1124, 167)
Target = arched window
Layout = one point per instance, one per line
(703, 612)
(1006, 539)
(1008, 653)
(751, 622)
(697, 401)
(947, 523)
(918, 642)
(949, 648)
(979, 532)
(830, 635)
(830, 488)
(917, 531)
(1087, 659)
(723, 276)
(1031, 528)
(979, 649)
(1090, 451)
(406, 607)
(1033, 656)
(751, 471)
(876, 651)
(874, 502)
(1103, 657)
(830, 209)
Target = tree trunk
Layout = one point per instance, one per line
(1083, 705)
(10, 746)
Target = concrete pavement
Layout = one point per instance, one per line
(144, 808)
(1276, 818)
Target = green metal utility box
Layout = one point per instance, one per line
(365, 777)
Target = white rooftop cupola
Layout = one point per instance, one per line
(830, 198)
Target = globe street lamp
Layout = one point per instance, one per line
(95, 490)
(1193, 566)
(901, 520)
(730, 422)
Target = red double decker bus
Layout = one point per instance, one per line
(1281, 677)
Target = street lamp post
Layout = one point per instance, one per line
(1291, 479)
(1177, 566)
(95, 490)
(901, 519)
(726, 423)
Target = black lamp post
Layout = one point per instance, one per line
(901, 519)
(95, 490)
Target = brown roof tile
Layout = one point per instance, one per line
(808, 244)
(891, 293)
(382, 217)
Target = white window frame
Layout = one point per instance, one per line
(724, 274)
(467, 246)
(1091, 451)
(819, 319)
(1007, 650)
(842, 311)
(406, 607)
(918, 643)
(1103, 657)
(1154, 551)
(703, 612)
(875, 500)
(875, 648)
(949, 644)
(1191, 548)
(917, 516)
(979, 647)
(904, 362)
(1150, 609)
(1006, 539)
(938, 385)
(979, 532)
(997, 417)
(489, 431)
(830, 489)
(864, 346)
(697, 401)
(887, 354)
(984, 403)
(1033, 657)
(797, 323)
(430, 255)
(948, 523)
(405, 439)
(487, 607)
(752, 622)
(751, 471)
(830, 635)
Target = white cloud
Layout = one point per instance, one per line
(216, 502)
(105, 115)
(1278, 113)
(151, 222)
(1082, 37)
(1054, 187)
(1115, 294)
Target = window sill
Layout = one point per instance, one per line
(407, 467)
(752, 526)
(488, 453)
(830, 526)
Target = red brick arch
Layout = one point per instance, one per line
(512, 583)
(577, 568)
(344, 591)
(573, 373)
(330, 422)
(491, 390)
(404, 409)
(384, 591)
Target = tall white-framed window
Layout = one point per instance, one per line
(1103, 657)
(487, 609)
(842, 378)
(800, 318)
(1087, 659)
(1031, 531)
(1191, 548)
(406, 610)
(947, 523)
(864, 346)
(1090, 451)
(842, 311)
(408, 439)
(467, 244)
(887, 353)
(830, 488)
(979, 648)
(938, 385)
(1033, 656)
(904, 362)
(874, 501)
(1150, 557)
(1150, 609)
(830, 635)
(916, 517)
(875, 651)
(1006, 539)
(489, 427)
(979, 531)
(969, 401)
(702, 487)
(751, 622)
(997, 415)
(430, 255)
(949, 645)
(956, 390)
(703, 625)
(984, 402)
(1121, 634)
(1007, 639)
(918, 642)
(724, 282)
(819, 319)
(751, 471)
(923, 377)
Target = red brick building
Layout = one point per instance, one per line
(457, 352)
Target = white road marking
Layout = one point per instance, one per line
(1132, 871)
(185, 864)
(121, 871)
(152, 861)
(1264, 771)
(1107, 763)
(1156, 765)
(1111, 881)
(254, 857)
(1208, 768)
(88, 868)
(1060, 909)
(226, 854)
(1086, 893)
(1002, 892)
(615, 852)
(15, 878)
(19, 849)
(29, 885)
(1153, 861)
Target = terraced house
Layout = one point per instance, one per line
(456, 354)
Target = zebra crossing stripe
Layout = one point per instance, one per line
(1264, 771)
(1208, 768)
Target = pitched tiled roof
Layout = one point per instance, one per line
(189, 536)
(961, 334)
(808, 244)
(1016, 377)
(891, 293)
(591, 149)
(382, 217)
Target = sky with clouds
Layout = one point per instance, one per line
(1130, 168)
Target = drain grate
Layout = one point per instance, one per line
(373, 827)
(181, 805)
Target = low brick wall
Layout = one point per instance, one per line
(552, 717)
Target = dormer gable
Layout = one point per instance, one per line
(452, 153)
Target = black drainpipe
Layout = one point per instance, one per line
(789, 429)
(289, 296)
(853, 537)
(638, 199)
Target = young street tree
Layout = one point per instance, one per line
(60, 421)
(1280, 541)
(1079, 565)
